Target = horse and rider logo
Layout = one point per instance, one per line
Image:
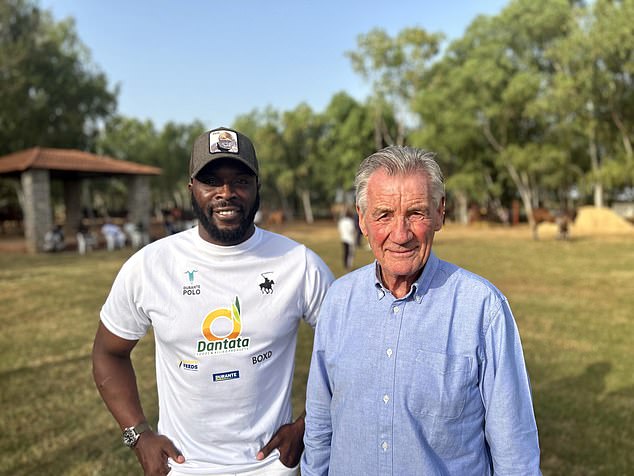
(266, 287)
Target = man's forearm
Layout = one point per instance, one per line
(116, 382)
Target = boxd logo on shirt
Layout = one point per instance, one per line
(222, 329)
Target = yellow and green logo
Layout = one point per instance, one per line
(231, 341)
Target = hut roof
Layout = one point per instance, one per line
(70, 160)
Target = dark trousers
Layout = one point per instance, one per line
(348, 255)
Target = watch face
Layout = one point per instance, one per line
(129, 437)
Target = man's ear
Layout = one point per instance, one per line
(361, 221)
(441, 215)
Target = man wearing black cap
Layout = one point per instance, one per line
(224, 300)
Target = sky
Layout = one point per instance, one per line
(209, 60)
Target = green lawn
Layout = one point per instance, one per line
(573, 301)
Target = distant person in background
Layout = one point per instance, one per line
(136, 234)
(170, 221)
(85, 239)
(417, 364)
(348, 236)
(114, 235)
(54, 239)
(563, 225)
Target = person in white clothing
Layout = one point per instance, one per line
(115, 238)
(224, 301)
(348, 235)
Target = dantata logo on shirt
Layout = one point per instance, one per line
(222, 330)
(266, 286)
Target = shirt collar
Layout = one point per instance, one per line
(419, 287)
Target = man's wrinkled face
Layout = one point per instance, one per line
(400, 222)
(225, 197)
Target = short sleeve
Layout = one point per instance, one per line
(318, 279)
(122, 313)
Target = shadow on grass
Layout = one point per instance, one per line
(584, 429)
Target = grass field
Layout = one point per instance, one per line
(573, 301)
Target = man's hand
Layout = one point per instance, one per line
(152, 451)
(289, 440)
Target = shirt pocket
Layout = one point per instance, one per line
(440, 384)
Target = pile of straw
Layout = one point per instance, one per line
(591, 221)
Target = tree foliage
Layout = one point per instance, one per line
(52, 95)
(592, 95)
(394, 67)
(494, 78)
(346, 139)
(139, 141)
(528, 105)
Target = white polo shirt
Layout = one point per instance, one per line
(225, 322)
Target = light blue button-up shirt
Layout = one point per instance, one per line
(430, 384)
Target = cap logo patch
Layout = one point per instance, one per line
(223, 141)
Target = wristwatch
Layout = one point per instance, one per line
(131, 434)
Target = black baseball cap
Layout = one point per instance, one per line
(222, 143)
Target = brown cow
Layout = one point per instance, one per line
(541, 215)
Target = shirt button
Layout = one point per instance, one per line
(389, 352)
(386, 398)
(396, 309)
(384, 446)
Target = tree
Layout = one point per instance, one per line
(52, 95)
(347, 138)
(455, 135)
(394, 67)
(125, 139)
(500, 70)
(301, 130)
(276, 180)
(170, 148)
(592, 91)
(173, 150)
